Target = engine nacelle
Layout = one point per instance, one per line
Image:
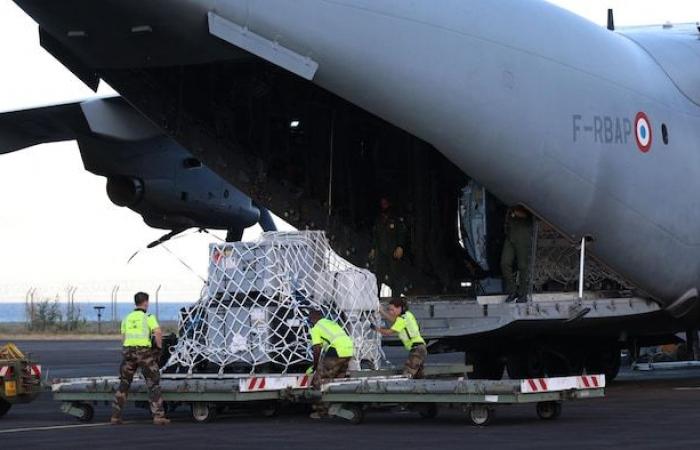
(125, 191)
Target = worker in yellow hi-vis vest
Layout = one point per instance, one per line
(137, 329)
(404, 324)
(332, 350)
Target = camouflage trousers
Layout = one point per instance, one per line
(146, 359)
(416, 361)
(331, 368)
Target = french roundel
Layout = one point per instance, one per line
(643, 131)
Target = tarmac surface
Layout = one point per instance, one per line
(641, 410)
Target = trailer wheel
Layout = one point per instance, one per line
(271, 411)
(203, 412)
(548, 410)
(4, 407)
(480, 415)
(87, 412)
(428, 411)
(358, 414)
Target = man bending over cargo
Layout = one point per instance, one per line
(332, 349)
(137, 330)
(404, 323)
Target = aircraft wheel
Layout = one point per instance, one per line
(485, 367)
(525, 364)
(606, 362)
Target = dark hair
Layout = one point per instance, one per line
(140, 298)
(399, 303)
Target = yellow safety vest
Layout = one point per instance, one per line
(137, 327)
(331, 335)
(407, 327)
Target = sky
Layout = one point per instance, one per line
(57, 227)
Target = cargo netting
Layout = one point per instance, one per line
(253, 312)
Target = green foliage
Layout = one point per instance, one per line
(46, 316)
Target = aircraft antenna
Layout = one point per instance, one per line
(611, 19)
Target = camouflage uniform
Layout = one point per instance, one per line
(331, 368)
(516, 249)
(388, 233)
(416, 361)
(147, 359)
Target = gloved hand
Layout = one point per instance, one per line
(310, 370)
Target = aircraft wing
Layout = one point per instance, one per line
(111, 118)
(29, 127)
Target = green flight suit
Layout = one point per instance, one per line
(389, 232)
(516, 252)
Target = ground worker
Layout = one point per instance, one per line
(404, 323)
(389, 237)
(332, 350)
(137, 329)
(516, 252)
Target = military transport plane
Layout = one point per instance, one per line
(316, 109)
(145, 170)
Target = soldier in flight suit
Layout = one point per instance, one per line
(389, 237)
(516, 252)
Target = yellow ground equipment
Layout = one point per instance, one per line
(20, 378)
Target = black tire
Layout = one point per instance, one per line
(563, 363)
(271, 410)
(548, 410)
(485, 367)
(428, 411)
(480, 415)
(358, 414)
(4, 407)
(87, 413)
(525, 364)
(606, 362)
(203, 412)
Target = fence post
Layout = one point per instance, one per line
(157, 298)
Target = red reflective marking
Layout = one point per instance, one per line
(543, 384)
(251, 384)
(595, 381)
(262, 384)
(532, 384)
(585, 382)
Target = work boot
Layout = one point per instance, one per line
(115, 420)
(160, 421)
(511, 298)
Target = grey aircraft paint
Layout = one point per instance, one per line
(501, 107)
(145, 170)
(540, 106)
